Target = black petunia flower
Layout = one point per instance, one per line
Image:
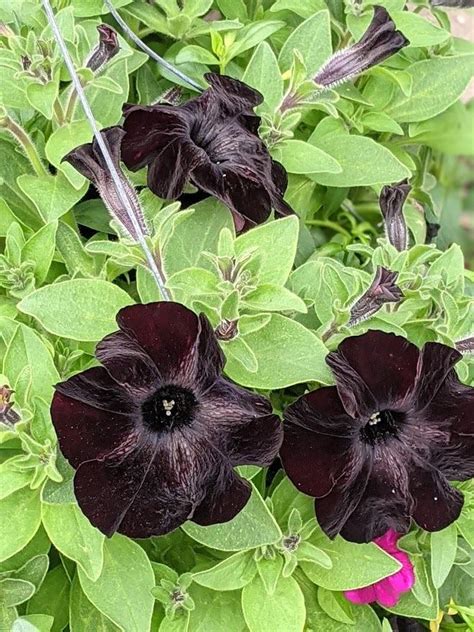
(212, 142)
(378, 449)
(155, 432)
(381, 40)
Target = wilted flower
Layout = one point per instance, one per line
(155, 432)
(212, 142)
(391, 200)
(387, 591)
(378, 449)
(107, 48)
(7, 414)
(382, 290)
(89, 161)
(381, 40)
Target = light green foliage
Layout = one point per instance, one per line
(279, 295)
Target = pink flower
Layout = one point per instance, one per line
(387, 591)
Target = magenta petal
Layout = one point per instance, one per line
(225, 498)
(85, 432)
(361, 596)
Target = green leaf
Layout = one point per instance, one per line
(196, 54)
(33, 623)
(93, 302)
(307, 552)
(303, 8)
(198, 232)
(215, 611)
(364, 162)
(15, 591)
(276, 367)
(40, 250)
(335, 605)
(443, 553)
(312, 39)
(60, 493)
(89, 8)
(253, 34)
(42, 97)
(253, 526)
(437, 84)
(273, 298)
(33, 571)
(233, 9)
(231, 574)
(84, 616)
(269, 570)
(417, 29)
(263, 74)
(53, 598)
(73, 535)
(123, 590)
(12, 479)
(283, 611)
(298, 156)
(276, 244)
(20, 517)
(53, 196)
(451, 132)
(107, 105)
(62, 141)
(353, 565)
(27, 349)
(38, 545)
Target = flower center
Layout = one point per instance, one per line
(168, 408)
(382, 425)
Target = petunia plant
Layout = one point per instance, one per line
(236, 316)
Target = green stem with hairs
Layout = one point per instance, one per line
(26, 143)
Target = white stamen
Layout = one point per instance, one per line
(374, 419)
(168, 406)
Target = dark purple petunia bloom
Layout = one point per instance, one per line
(155, 432)
(212, 142)
(381, 40)
(379, 448)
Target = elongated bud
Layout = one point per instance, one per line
(107, 48)
(7, 414)
(382, 290)
(89, 161)
(391, 200)
(381, 40)
(466, 346)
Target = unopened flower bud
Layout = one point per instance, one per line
(226, 330)
(382, 290)
(88, 160)
(107, 48)
(7, 414)
(466, 346)
(381, 40)
(391, 200)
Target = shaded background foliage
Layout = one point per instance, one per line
(66, 269)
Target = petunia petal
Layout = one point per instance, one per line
(386, 363)
(435, 363)
(334, 510)
(237, 96)
(313, 462)
(171, 168)
(181, 344)
(128, 363)
(385, 504)
(251, 435)
(85, 432)
(149, 130)
(239, 187)
(437, 504)
(225, 498)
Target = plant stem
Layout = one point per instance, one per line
(27, 145)
(328, 224)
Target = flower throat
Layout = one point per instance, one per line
(168, 408)
(382, 425)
